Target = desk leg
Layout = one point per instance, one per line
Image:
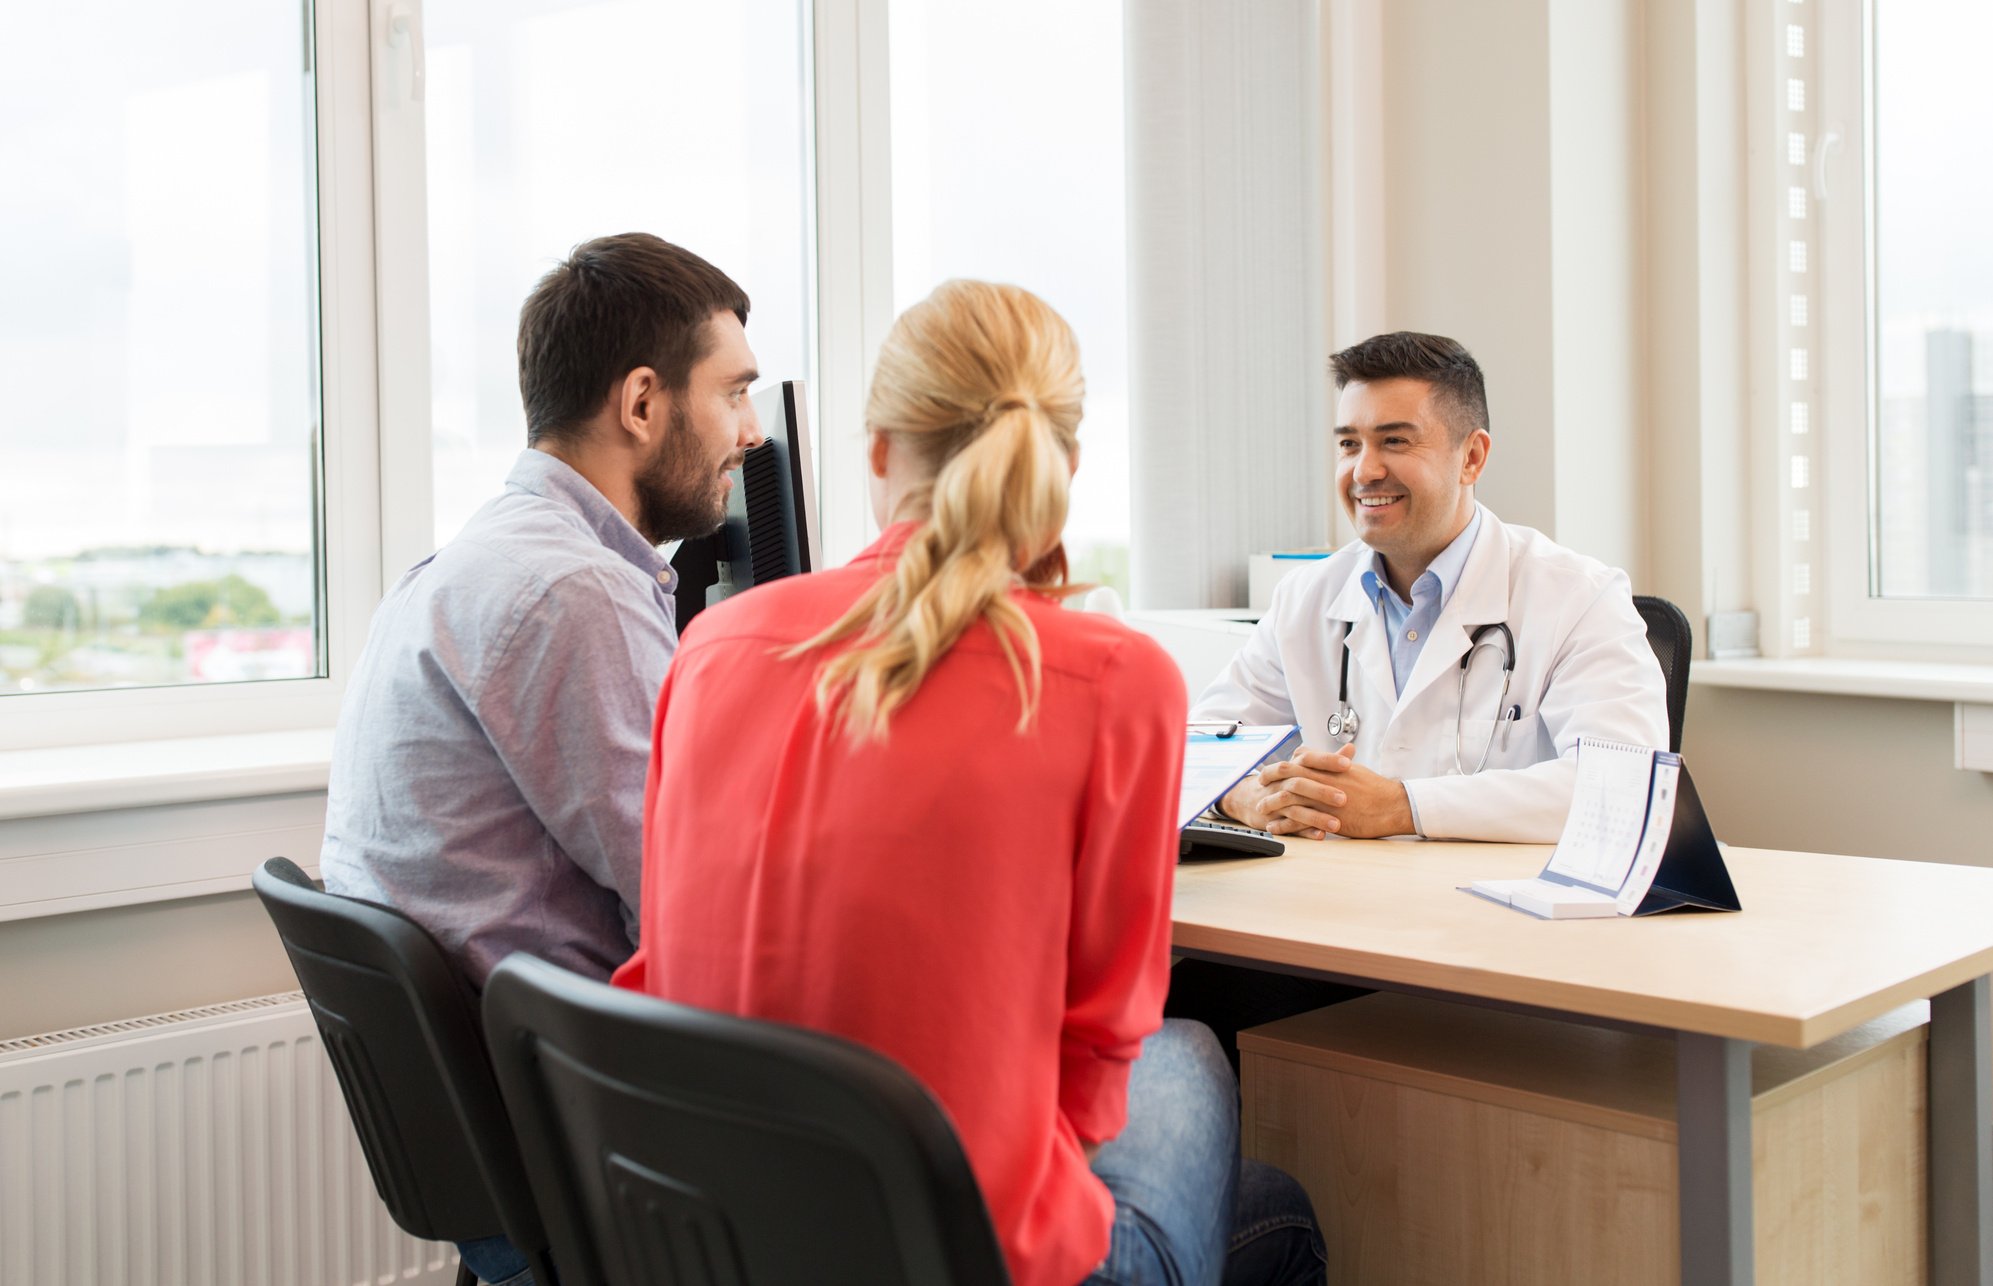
(1713, 1132)
(1960, 1124)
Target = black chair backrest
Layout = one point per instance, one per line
(401, 1026)
(669, 1144)
(1673, 642)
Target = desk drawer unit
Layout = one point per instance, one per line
(1446, 1144)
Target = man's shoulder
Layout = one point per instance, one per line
(525, 546)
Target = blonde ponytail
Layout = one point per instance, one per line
(982, 384)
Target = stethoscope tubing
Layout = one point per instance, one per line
(1474, 644)
(1344, 722)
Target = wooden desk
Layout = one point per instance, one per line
(1824, 943)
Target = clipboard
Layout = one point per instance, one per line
(1213, 763)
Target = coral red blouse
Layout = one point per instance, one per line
(989, 908)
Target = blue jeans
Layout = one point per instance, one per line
(1186, 1211)
(496, 1261)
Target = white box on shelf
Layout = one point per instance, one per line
(1974, 726)
(1264, 571)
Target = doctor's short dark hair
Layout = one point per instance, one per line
(616, 303)
(1459, 394)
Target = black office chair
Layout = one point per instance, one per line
(669, 1144)
(401, 1027)
(1673, 642)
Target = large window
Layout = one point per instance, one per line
(1933, 303)
(1897, 170)
(1008, 164)
(550, 122)
(159, 374)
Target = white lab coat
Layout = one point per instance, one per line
(1583, 667)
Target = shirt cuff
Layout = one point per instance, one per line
(1093, 1092)
(1412, 800)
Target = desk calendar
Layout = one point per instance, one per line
(1636, 842)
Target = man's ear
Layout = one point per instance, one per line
(643, 406)
(1476, 457)
(877, 446)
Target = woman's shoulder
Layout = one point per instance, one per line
(1095, 646)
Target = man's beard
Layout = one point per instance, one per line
(678, 493)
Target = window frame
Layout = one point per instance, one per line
(347, 451)
(852, 251)
(1860, 621)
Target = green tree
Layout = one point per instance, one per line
(51, 607)
(208, 604)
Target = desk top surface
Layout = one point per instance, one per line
(1824, 942)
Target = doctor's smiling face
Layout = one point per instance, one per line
(1404, 472)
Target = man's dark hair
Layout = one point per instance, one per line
(617, 303)
(1459, 395)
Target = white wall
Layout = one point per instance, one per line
(1597, 297)
(1467, 216)
(1833, 774)
(64, 971)
(1698, 532)
(1512, 178)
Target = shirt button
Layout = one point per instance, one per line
(1412, 635)
(664, 577)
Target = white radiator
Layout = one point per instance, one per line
(204, 1148)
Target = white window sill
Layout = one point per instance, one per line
(80, 779)
(1902, 680)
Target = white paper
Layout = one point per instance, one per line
(1213, 765)
(1545, 900)
(1654, 840)
(1608, 812)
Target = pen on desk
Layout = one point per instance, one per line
(1219, 728)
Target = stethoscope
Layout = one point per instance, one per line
(1343, 723)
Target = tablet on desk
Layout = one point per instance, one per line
(1208, 841)
(1217, 756)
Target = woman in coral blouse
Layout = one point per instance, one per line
(914, 803)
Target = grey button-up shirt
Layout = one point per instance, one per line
(488, 768)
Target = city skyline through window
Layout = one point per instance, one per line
(1933, 311)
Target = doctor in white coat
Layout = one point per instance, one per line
(1443, 668)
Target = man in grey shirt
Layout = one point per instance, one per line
(488, 769)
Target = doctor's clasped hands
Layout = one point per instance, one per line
(1317, 793)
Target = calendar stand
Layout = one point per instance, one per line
(1692, 876)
